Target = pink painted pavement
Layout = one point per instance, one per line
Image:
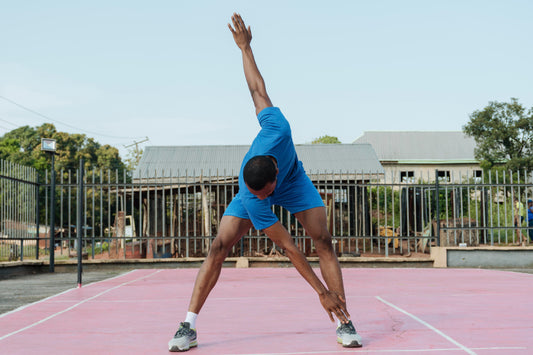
(274, 311)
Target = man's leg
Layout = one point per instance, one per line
(230, 231)
(314, 221)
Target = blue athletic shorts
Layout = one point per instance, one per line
(296, 195)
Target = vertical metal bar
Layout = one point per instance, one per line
(52, 214)
(156, 215)
(79, 220)
(102, 229)
(37, 214)
(491, 196)
(163, 211)
(172, 234)
(134, 232)
(84, 203)
(437, 205)
(46, 206)
(194, 209)
(61, 212)
(187, 234)
(112, 240)
(125, 206)
(93, 210)
(180, 207)
(140, 223)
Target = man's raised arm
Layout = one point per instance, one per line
(256, 84)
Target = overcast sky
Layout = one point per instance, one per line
(119, 71)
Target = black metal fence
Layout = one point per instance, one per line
(178, 216)
(19, 211)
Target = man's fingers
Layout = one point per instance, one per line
(231, 29)
(241, 21)
(340, 315)
(238, 22)
(347, 314)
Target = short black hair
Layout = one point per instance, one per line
(259, 171)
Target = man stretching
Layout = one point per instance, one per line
(271, 174)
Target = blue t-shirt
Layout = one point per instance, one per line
(274, 140)
(529, 213)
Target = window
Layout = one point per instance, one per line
(444, 175)
(407, 176)
(477, 175)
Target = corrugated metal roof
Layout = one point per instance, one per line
(165, 161)
(421, 146)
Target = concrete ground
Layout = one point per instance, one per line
(22, 290)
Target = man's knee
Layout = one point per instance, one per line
(218, 250)
(323, 241)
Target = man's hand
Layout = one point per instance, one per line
(241, 35)
(335, 304)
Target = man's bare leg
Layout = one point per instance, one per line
(230, 231)
(315, 223)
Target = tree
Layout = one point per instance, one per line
(326, 140)
(23, 146)
(133, 158)
(504, 135)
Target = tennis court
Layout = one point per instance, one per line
(274, 311)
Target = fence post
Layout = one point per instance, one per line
(52, 214)
(437, 206)
(37, 211)
(79, 219)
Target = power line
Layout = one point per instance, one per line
(63, 123)
(6, 121)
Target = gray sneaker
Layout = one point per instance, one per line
(184, 339)
(348, 337)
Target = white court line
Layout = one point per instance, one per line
(428, 325)
(76, 305)
(59, 294)
(377, 351)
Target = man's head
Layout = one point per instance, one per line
(529, 202)
(259, 174)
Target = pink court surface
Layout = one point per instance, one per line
(274, 311)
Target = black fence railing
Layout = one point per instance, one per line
(178, 216)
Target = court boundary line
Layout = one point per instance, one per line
(61, 293)
(370, 351)
(426, 324)
(76, 305)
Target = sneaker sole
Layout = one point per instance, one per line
(175, 348)
(353, 344)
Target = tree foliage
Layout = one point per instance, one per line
(503, 132)
(133, 158)
(23, 146)
(326, 140)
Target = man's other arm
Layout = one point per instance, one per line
(256, 84)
